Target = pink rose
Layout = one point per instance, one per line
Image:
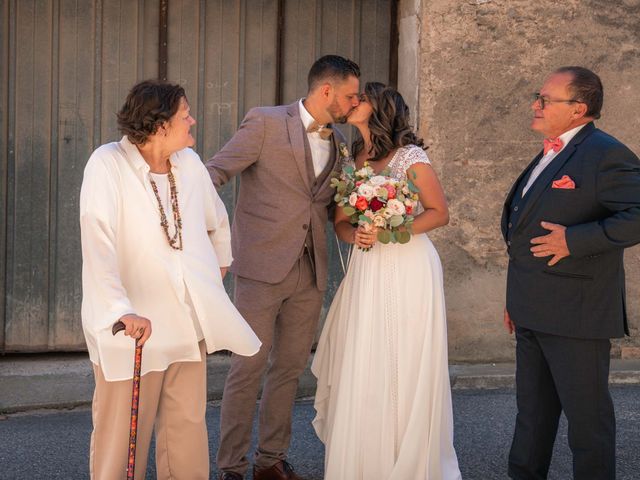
(391, 190)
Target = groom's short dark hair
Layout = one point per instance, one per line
(331, 68)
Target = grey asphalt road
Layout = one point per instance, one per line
(54, 444)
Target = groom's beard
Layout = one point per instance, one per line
(337, 114)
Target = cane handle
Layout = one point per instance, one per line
(117, 327)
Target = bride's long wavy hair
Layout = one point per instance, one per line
(388, 124)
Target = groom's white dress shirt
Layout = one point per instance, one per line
(320, 148)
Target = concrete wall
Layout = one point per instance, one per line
(476, 62)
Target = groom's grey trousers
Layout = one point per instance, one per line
(285, 318)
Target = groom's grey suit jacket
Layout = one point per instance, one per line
(280, 198)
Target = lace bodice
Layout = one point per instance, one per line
(404, 158)
(401, 161)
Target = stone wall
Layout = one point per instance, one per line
(478, 62)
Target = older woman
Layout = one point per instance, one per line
(155, 247)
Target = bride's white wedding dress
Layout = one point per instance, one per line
(383, 400)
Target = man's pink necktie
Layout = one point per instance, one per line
(555, 144)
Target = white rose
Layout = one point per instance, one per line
(379, 221)
(378, 180)
(353, 198)
(366, 191)
(395, 206)
(364, 172)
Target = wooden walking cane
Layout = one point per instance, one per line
(135, 400)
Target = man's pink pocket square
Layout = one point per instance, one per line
(565, 182)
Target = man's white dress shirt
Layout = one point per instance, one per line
(320, 148)
(129, 267)
(551, 154)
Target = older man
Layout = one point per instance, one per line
(566, 222)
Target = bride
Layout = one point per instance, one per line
(383, 400)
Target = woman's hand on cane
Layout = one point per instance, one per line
(136, 327)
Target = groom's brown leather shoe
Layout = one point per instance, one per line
(280, 471)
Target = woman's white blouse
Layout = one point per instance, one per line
(129, 267)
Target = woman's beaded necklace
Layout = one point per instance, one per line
(175, 241)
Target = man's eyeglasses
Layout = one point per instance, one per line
(542, 101)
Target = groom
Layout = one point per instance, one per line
(566, 222)
(285, 156)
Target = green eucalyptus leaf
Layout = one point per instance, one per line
(364, 218)
(403, 237)
(348, 211)
(396, 221)
(384, 236)
(337, 197)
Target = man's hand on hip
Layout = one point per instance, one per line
(554, 244)
(508, 324)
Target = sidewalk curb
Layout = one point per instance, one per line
(66, 380)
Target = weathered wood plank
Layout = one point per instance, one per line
(27, 320)
(299, 47)
(7, 111)
(260, 55)
(184, 21)
(218, 110)
(219, 105)
(74, 144)
(120, 56)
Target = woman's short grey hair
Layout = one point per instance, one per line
(149, 105)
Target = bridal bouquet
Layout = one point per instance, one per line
(379, 201)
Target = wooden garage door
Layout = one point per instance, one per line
(65, 68)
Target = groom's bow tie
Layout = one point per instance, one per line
(324, 131)
(555, 144)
